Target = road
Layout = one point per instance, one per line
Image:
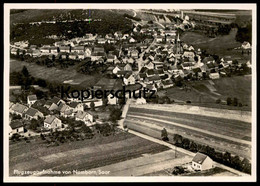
(149, 163)
(140, 60)
(150, 117)
(170, 145)
(184, 151)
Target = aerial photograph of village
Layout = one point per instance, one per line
(130, 92)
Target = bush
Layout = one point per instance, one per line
(229, 101)
(240, 104)
(178, 170)
(235, 102)
(218, 101)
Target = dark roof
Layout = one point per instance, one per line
(19, 108)
(167, 82)
(128, 75)
(49, 119)
(199, 158)
(142, 75)
(73, 104)
(150, 72)
(154, 78)
(16, 124)
(206, 59)
(55, 100)
(196, 70)
(31, 111)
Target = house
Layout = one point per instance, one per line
(36, 53)
(18, 109)
(81, 55)
(112, 99)
(111, 58)
(209, 59)
(84, 116)
(101, 41)
(134, 53)
(245, 45)
(45, 50)
(189, 54)
(140, 101)
(54, 50)
(150, 65)
(170, 32)
(154, 79)
(62, 108)
(201, 162)
(214, 75)
(159, 39)
(132, 40)
(127, 67)
(73, 55)
(17, 127)
(63, 55)
(52, 122)
(53, 103)
(150, 72)
(78, 49)
(118, 34)
(65, 49)
(95, 56)
(167, 83)
(116, 69)
(129, 79)
(191, 48)
(31, 99)
(76, 106)
(88, 51)
(33, 113)
(125, 36)
(33, 47)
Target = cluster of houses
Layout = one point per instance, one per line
(72, 108)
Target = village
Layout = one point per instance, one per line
(150, 57)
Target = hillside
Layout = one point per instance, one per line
(36, 34)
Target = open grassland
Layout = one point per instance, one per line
(220, 133)
(221, 45)
(79, 155)
(54, 74)
(205, 93)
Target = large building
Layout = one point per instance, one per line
(211, 18)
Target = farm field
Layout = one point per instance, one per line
(79, 155)
(203, 93)
(221, 45)
(216, 171)
(221, 133)
(55, 75)
(146, 164)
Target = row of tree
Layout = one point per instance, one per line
(226, 158)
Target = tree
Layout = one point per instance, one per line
(227, 158)
(218, 101)
(186, 143)
(25, 72)
(246, 166)
(115, 114)
(236, 162)
(229, 101)
(235, 101)
(164, 135)
(177, 139)
(92, 106)
(193, 147)
(34, 124)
